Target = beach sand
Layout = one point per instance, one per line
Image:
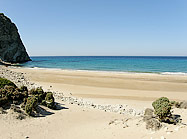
(111, 85)
(72, 121)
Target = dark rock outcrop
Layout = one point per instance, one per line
(12, 49)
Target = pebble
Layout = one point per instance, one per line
(169, 132)
(121, 109)
(20, 80)
(177, 129)
(166, 129)
(17, 77)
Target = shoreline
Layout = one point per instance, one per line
(100, 84)
(96, 104)
(103, 71)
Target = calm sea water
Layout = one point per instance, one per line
(140, 64)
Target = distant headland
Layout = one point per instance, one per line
(12, 49)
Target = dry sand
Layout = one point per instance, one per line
(108, 85)
(136, 90)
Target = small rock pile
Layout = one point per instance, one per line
(151, 122)
(181, 105)
(16, 77)
(121, 109)
(123, 122)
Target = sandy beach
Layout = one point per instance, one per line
(72, 121)
(110, 85)
(93, 69)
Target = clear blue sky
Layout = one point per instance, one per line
(100, 27)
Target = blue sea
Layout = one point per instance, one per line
(135, 64)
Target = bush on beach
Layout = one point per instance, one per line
(29, 100)
(4, 82)
(50, 101)
(161, 113)
(31, 105)
(162, 107)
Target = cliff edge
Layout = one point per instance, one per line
(12, 49)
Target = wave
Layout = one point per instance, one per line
(173, 73)
(108, 71)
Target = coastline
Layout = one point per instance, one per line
(133, 64)
(127, 85)
(93, 103)
(93, 69)
(103, 71)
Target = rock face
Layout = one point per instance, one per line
(12, 49)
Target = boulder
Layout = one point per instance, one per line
(12, 49)
(149, 111)
(183, 105)
(148, 114)
(153, 124)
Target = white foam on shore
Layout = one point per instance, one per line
(173, 73)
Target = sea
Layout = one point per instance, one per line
(131, 64)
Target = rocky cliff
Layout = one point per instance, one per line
(12, 49)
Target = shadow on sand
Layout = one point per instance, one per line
(44, 111)
(60, 107)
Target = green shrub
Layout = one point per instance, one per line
(4, 82)
(162, 107)
(24, 94)
(172, 103)
(39, 90)
(19, 96)
(2, 93)
(39, 93)
(10, 89)
(160, 100)
(49, 100)
(175, 104)
(15, 95)
(36, 91)
(11, 94)
(33, 91)
(23, 89)
(31, 105)
(3, 101)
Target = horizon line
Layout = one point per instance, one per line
(108, 55)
